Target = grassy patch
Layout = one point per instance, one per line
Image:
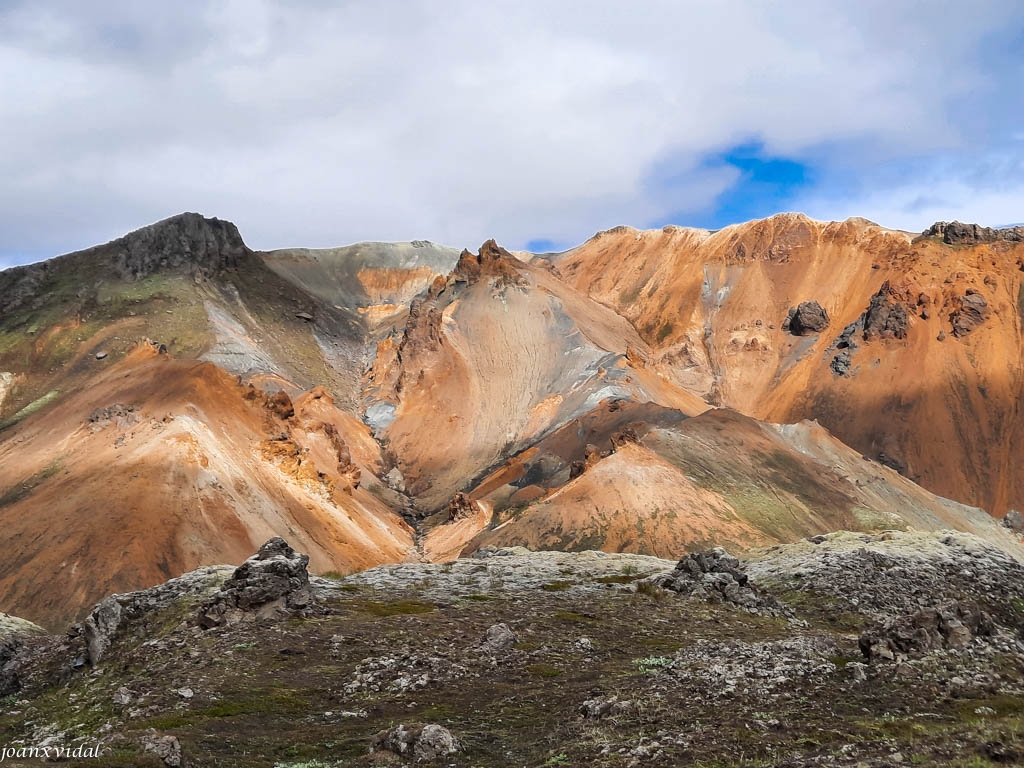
(543, 671)
(556, 586)
(31, 408)
(22, 490)
(395, 608)
(622, 578)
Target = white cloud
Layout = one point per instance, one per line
(314, 124)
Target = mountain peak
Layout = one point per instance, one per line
(188, 242)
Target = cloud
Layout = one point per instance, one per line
(317, 123)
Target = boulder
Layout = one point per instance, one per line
(1014, 520)
(950, 624)
(166, 748)
(498, 638)
(272, 583)
(886, 317)
(423, 743)
(100, 626)
(599, 709)
(805, 319)
(971, 313)
(716, 576)
(395, 480)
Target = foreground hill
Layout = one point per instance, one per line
(849, 650)
(917, 361)
(171, 398)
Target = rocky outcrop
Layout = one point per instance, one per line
(461, 506)
(591, 455)
(280, 404)
(272, 583)
(886, 316)
(120, 415)
(844, 346)
(119, 616)
(1014, 520)
(806, 319)
(492, 262)
(349, 474)
(9, 681)
(716, 576)
(950, 624)
(971, 312)
(423, 743)
(624, 436)
(958, 233)
(188, 243)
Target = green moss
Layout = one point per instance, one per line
(619, 579)
(544, 671)
(556, 586)
(33, 407)
(396, 608)
(664, 332)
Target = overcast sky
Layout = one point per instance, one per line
(538, 123)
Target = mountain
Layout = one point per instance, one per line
(172, 398)
(920, 364)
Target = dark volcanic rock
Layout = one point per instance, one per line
(716, 576)
(423, 743)
(188, 243)
(273, 582)
(886, 317)
(950, 624)
(972, 312)
(9, 682)
(844, 346)
(807, 318)
(118, 616)
(958, 233)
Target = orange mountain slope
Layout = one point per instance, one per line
(651, 480)
(162, 465)
(921, 364)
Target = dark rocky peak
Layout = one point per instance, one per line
(188, 242)
(958, 233)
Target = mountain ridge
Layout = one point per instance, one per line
(428, 402)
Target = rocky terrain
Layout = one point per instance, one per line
(172, 399)
(846, 649)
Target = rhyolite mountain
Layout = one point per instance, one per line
(172, 399)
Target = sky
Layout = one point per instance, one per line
(317, 123)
